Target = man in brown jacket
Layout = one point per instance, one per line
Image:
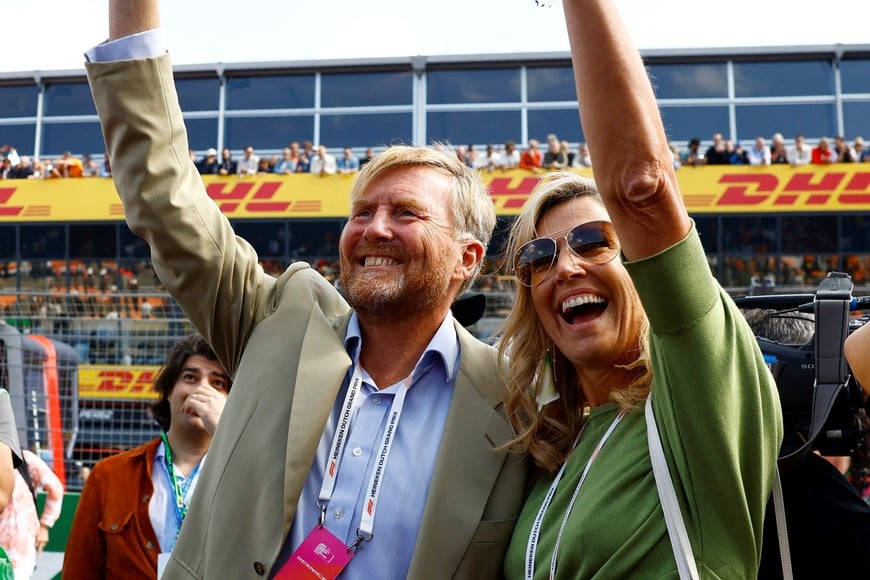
(133, 504)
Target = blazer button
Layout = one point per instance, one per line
(145, 498)
(149, 545)
(259, 568)
(114, 527)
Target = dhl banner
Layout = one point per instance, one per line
(709, 189)
(113, 382)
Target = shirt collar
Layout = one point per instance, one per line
(444, 345)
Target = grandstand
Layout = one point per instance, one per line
(72, 272)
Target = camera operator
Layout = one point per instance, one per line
(857, 351)
(828, 522)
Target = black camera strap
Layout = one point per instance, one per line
(832, 305)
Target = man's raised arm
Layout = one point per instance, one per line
(128, 17)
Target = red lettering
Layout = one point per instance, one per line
(502, 186)
(804, 182)
(5, 195)
(114, 380)
(820, 199)
(266, 191)
(143, 382)
(229, 199)
(860, 182)
(239, 191)
(739, 195)
(785, 200)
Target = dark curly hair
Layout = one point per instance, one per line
(188, 346)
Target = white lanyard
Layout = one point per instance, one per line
(367, 521)
(535, 533)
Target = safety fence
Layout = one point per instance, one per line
(79, 368)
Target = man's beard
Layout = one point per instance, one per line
(392, 297)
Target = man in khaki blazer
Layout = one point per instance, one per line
(282, 339)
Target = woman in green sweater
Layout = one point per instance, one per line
(615, 304)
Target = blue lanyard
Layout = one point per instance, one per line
(180, 489)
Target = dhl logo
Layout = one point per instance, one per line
(116, 382)
(840, 187)
(18, 211)
(257, 197)
(817, 190)
(809, 189)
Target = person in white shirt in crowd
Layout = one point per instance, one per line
(249, 163)
(510, 158)
(799, 153)
(322, 163)
(760, 153)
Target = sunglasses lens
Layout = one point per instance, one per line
(533, 260)
(594, 242)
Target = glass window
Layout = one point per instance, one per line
(132, 246)
(856, 118)
(43, 241)
(856, 233)
(199, 94)
(855, 76)
(18, 100)
(708, 228)
(808, 269)
(473, 127)
(269, 239)
(809, 233)
(500, 85)
(563, 122)
(139, 275)
(76, 137)
(550, 83)
(69, 99)
(93, 241)
(366, 89)
(310, 240)
(22, 137)
(685, 81)
(267, 132)
(858, 266)
(783, 78)
(365, 130)
(202, 133)
(765, 120)
(7, 242)
(684, 123)
(750, 235)
(270, 92)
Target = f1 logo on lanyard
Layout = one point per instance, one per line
(322, 555)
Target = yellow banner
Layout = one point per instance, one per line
(111, 382)
(706, 190)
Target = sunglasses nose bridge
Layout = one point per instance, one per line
(567, 261)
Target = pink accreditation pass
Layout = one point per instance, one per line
(321, 555)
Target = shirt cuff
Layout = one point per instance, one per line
(148, 44)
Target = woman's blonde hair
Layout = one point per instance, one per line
(548, 434)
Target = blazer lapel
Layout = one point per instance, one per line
(467, 465)
(322, 367)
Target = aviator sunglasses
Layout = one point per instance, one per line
(593, 242)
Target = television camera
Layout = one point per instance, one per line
(821, 402)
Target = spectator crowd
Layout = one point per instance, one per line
(305, 157)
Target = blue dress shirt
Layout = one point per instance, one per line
(409, 469)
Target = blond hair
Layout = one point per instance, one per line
(472, 210)
(548, 434)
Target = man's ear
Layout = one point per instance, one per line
(473, 253)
